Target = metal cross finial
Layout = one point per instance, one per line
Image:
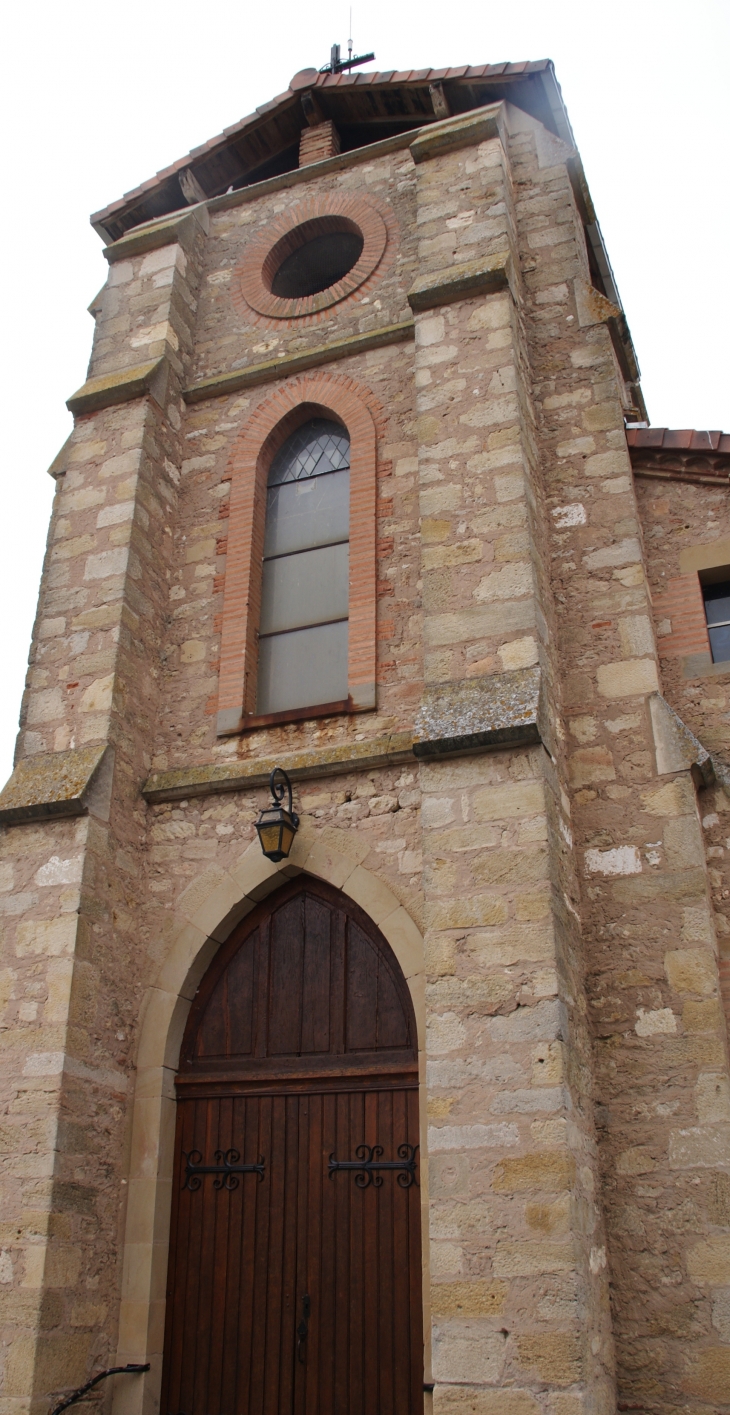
(338, 65)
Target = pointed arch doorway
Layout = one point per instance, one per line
(294, 1276)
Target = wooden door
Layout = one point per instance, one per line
(294, 1282)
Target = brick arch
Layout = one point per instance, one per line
(355, 407)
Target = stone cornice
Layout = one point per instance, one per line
(213, 777)
(219, 385)
(158, 233)
(52, 784)
(461, 282)
(120, 387)
(466, 130)
(479, 715)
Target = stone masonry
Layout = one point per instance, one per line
(513, 809)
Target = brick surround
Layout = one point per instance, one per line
(322, 394)
(318, 215)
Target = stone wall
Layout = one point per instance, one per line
(649, 943)
(552, 897)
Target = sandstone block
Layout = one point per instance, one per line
(709, 1261)
(632, 678)
(465, 1400)
(467, 1350)
(98, 696)
(683, 843)
(550, 1171)
(691, 970)
(552, 1356)
(510, 800)
(477, 912)
(712, 1098)
(528, 1259)
(702, 1016)
(675, 798)
(709, 1375)
(478, 1298)
(699, 1147)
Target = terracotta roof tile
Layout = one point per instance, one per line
(678, 439)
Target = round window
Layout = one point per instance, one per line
(313, 257)
(316, 254)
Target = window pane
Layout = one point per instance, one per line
(717, 602)
(305, 589)
(720, 644)
(303, 668)
(306, 513)
(318, 446)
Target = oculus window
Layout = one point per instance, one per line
(305, 584)
(717, 611)
(317, 264)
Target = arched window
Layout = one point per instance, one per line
(303, 630)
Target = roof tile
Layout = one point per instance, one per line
(669, 439)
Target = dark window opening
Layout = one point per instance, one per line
(317, 265)
(717, 612)
(312, 257)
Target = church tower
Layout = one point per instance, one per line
(432, 1112)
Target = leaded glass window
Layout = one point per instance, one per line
(305, 588)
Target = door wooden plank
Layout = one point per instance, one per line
(306, 971)
(316, 979)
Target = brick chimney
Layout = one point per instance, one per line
(318, 142)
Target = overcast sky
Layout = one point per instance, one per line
(98, 98)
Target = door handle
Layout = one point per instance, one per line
(303, 1328)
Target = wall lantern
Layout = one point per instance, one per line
(278, 824)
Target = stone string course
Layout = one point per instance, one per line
(561, 909)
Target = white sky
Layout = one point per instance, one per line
(98, 98)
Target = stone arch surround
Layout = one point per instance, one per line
(205, 914)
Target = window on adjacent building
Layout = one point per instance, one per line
(717, 610)
(305, 587)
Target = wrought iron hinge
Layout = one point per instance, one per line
(226, 1168)
(368, 1163)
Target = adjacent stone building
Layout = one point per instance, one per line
(506, 727)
